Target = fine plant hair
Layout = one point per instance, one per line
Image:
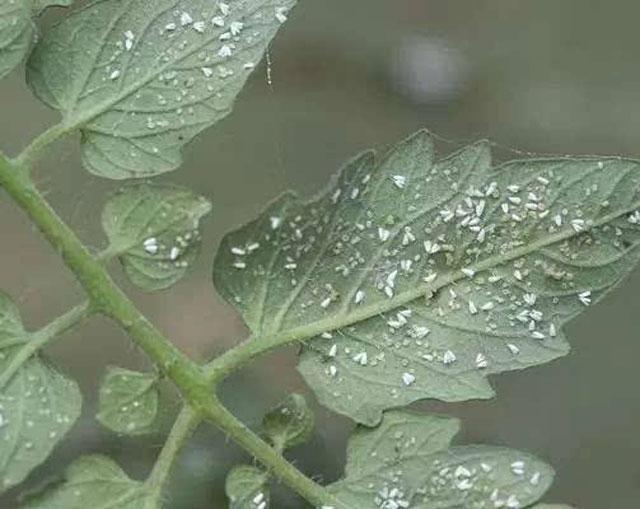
(412, 276)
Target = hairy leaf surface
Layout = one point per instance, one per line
(247, 488)
(153, 228)
(418, 277)
(94, 482)
(17, 29)
(290, 423)
(38, 405)
(142, 77)
(408, 462)
(128, 401)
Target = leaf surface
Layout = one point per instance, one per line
(141, 78)
(418, 277)
(128, 401)
(38, 405)
(247, 488)
(290, 423)
(16, 33)
(552, 506)
(95, 482)
(153, 229)
(17, 29)
(408, 462)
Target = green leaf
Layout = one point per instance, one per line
(38, 405)
(290, 423)
(16, 33)
(153, 228)
(17, 29)
(408, 462)
(95, 482)
(41, 5)
(151, 74)
(418, 278)
(247, 488)
(552, 506)
(128, 401)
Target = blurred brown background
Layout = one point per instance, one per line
(551, 76)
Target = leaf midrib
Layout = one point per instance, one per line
(369, 311)
(286, 307)
(70, 123)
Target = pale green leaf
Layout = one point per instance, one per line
(153, 228)
(41, 5)
(420, 277)
(128, 401)
(552, 506)
(17, 29)
(38, 405)
(16, 33)
(141, 78)
(408, 462)
(290, 423)
(94, 482)
(247, 488)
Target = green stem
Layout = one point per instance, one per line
(31, 153)
(184, 426)
(239, 356)
(107, 298)
(104, 294)
(42, 337)
(63, 323)
(277, 466)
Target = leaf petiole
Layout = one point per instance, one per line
(43, 337)
(184, 426)
(32, 152)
